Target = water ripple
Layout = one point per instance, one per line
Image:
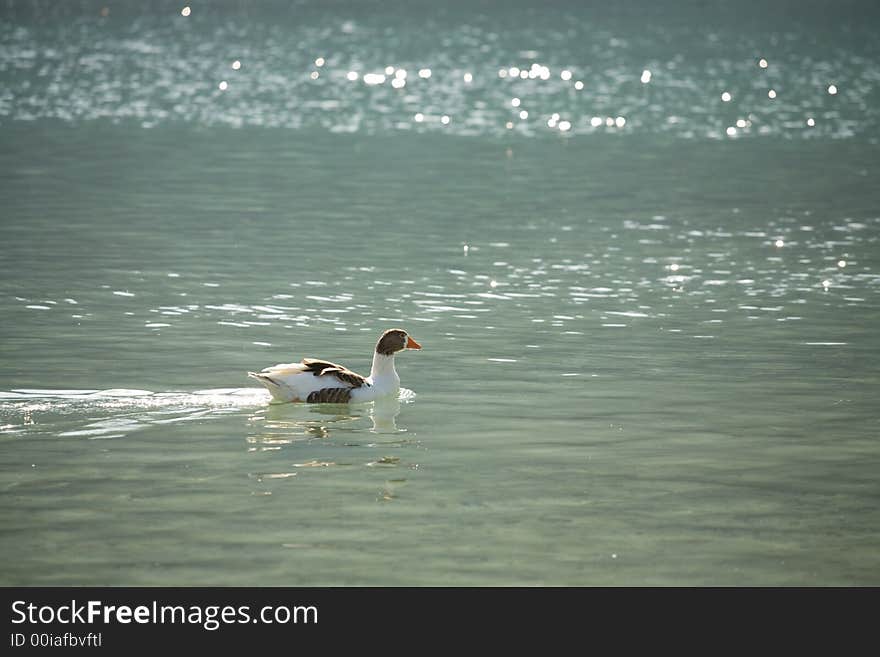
(362, 76)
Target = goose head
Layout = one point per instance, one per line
(394, 340)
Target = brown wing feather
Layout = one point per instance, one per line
(330, 396)
(325, 367)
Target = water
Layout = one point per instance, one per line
(654, 363)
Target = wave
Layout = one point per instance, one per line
(117, 412)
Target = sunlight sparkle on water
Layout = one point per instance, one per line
(811, 121)
(832, 89)
(779, 244)
(841, 263)
(419, 117)
(352, 75)
(425, 73)
(468, 78)
(374, 78)
(444, 119)
(185, 11)
(524, 115)
(646, 76)
(565, 75)
(515, 102)
(222, 86)
(762, 63)
(771, 94)
(726, 97)
(236, 65)
(578, 85)
(319, 62)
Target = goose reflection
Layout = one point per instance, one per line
(280, 424)
(384, 414)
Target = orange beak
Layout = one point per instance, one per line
(412, 344)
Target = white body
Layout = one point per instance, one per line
(290, 382)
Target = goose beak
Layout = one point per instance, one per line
(412, 344)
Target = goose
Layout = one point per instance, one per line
(319, 381)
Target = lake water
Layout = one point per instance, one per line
(647, 293)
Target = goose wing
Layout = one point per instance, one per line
(324, 368)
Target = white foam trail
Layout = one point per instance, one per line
(130, 410)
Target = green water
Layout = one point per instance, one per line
(655, 363)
